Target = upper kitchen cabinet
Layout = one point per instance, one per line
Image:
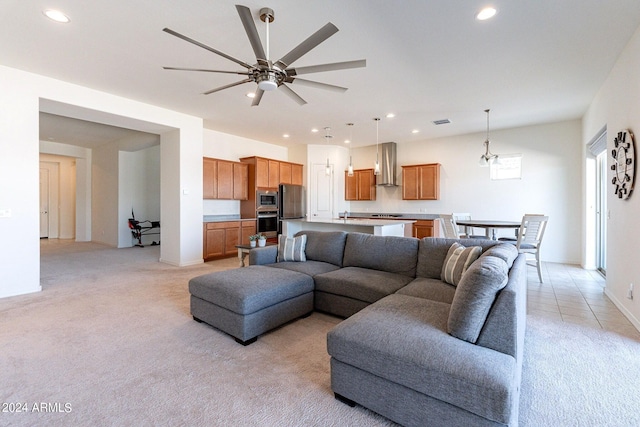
(270, 173)
(421, 182)
(360, 186)
(223, 179)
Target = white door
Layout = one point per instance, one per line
(44, 203)
(321, 194)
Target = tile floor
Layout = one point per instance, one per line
(571, 294)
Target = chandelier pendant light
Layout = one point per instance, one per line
(376, 169)
(488, 157)
(350, 168)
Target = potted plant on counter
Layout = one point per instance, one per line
(262, 239)
(253, 239)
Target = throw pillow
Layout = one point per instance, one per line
(458, 259)
(474, 297)
(291, 248)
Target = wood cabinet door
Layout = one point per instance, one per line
(409, 183)
(350, 187)
(248, 229)
(225, 179)
(213, 242)
(366, 184)
(274, 173)
(423, 229)
(429, 182)
(285, 173)
(209, 179)
(240, 181)
(296, 174)
(262, 172)
(231, 239)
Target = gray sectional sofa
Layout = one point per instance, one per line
(414, 348)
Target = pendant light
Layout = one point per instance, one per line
(487, 158)
(376, 169)
(327, 137)
(350, 168)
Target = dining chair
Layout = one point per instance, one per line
(465, 230)
(530, 236)
(449, 226)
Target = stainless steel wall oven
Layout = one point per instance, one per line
(268, 222)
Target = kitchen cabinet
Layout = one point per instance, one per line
(360, 186)
(296, 174)
(274, 174)
(285, 173)
(269, 173)
(426, 228)
(421, 182)
(224, 179)
(220, 238)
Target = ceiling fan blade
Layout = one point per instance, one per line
(314, 40)
(287, 90)
(244, 73)
(257, 98)
(327, 67)
(252, 31)
(204, 46)
(318, 85)
(226, 86)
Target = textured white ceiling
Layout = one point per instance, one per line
(537, 61)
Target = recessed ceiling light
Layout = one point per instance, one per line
(314, 130)
(415, 131)
(390, 116)
(486, 13)
(251, 95)
(346, 141)
(286, 135)
(56, 15)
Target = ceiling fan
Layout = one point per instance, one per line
(271, 75)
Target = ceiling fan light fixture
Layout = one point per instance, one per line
(267, 81)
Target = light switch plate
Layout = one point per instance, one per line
(5, 213)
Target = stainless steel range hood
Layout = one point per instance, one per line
(388, 158)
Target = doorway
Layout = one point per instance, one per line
(601, 212)
(321, 201)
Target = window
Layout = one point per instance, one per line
(508, 166)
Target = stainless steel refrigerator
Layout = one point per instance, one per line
(292, 203)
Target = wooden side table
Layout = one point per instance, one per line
(243, 251)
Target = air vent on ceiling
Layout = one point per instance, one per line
(441, 122)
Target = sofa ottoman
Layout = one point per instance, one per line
(247, 302)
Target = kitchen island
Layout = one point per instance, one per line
(378, 227)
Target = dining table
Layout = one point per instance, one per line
(490, 225)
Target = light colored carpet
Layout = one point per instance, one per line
(111, 338)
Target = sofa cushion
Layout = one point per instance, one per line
(433, 250)
(457, 261)
(505, 251)
(433, 289)
(403, 339)
(325, 246)
(385, 253)
(363, 284)
(311, 268)
(474, 296)
(291, 248)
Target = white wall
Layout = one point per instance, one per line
(24, 95)
(617, 105)
(551, 181)
(104, 204)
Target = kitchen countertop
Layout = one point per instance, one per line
(357, 221)
(391, 216)
(223, 218)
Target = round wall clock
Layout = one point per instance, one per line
(624, 164)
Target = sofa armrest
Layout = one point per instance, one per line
(263, 255)
(504, 328)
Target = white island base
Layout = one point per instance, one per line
(378, 227)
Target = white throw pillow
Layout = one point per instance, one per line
(458, 259)
(291, 248)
